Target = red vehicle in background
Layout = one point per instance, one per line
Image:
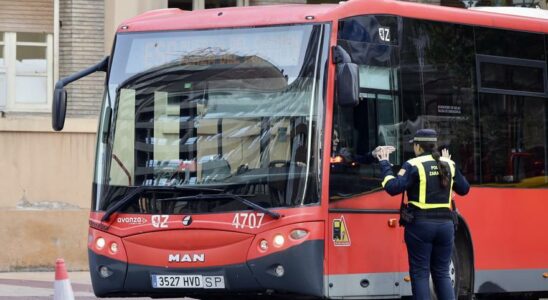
(214, 175)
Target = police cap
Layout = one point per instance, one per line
(425, 135)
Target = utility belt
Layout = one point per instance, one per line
(433, 213)
(410, 213)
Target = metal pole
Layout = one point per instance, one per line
(56, 32)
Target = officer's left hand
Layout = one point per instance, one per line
(445, 153)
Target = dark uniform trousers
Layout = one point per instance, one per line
(429, 245)
(430, 237)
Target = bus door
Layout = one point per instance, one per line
(365, 242)
(365, 245)
(363, 253)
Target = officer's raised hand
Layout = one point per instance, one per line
(445, 153)
(390, 149)
(383, 153)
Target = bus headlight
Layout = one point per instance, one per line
(279, 240)
(100, 243)
(298, 234)
(114, 248)
(263, 245)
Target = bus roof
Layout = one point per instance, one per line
(517, 11)
(175, 19)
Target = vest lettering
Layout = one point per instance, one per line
(428, 193)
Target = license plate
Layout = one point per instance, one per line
(188, 281)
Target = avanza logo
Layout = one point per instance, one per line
(132, 220)
(200, 257)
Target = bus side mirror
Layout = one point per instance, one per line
(347, 81)
(59, 105)
(59, 108)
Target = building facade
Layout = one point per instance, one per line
(47, 175)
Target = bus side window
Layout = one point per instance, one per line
(513, 111)
(438, 90)
(513, 144)
(358, 130)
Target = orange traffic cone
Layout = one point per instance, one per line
(61, 287)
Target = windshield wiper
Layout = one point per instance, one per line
(129, 197)
(255, 206)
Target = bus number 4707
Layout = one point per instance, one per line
(250, 220)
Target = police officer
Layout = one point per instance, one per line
(429, 181)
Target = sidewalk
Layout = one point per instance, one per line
(39, 285)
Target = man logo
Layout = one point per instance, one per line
(186, 257)
(187, 220)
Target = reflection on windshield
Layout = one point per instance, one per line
(219, 117)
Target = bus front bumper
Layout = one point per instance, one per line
(302, 274)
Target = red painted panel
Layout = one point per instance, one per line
(314, 232)
(294, 14)
(229, 17)
(146, 242)
(508, 227)
(375, 246)
(187, 240)
(218, 247)
(94, 234)
(122, 224)
(443, 14)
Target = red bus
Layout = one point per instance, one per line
(218, 172)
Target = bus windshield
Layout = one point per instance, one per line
(213, 112)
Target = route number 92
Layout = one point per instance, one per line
(249, 220)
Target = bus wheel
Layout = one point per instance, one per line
(454, 275)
